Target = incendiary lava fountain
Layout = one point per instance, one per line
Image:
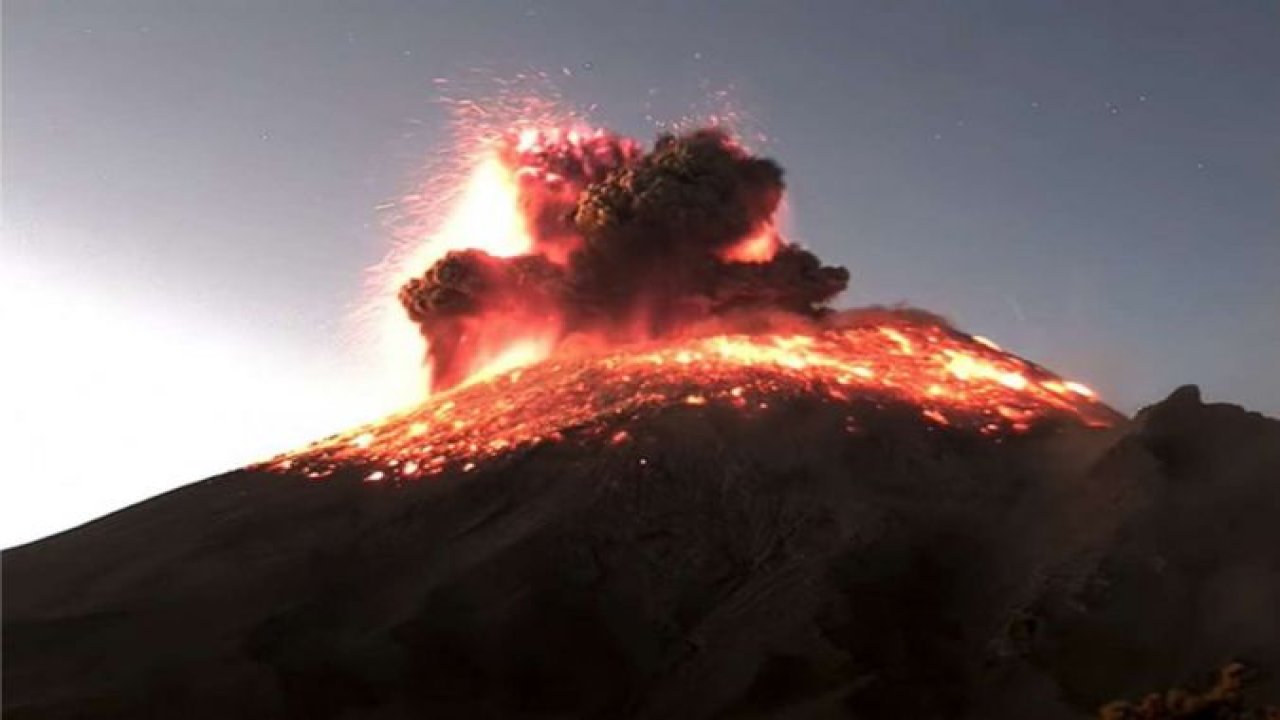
(580, 281)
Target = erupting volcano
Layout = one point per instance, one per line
(659, 475)
(862, 361)
(638, 277)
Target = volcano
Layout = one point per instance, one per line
(856, 360)
(659, 475)
(818, 557)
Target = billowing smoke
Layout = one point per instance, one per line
(626, 245)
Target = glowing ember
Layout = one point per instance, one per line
(956, 381)
(759, 247)
(513, 355)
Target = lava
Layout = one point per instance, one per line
(953, 380)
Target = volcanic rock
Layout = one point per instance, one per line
(705, 563)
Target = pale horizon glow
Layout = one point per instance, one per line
(108, 402)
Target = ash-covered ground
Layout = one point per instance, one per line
(717, 564)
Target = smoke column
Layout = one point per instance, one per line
(617, 244)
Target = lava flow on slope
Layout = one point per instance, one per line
(579, 281)
(955, 380)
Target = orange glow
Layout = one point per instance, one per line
(488, 216)
(759, 247)
(514, 354)
(954, 381)
(505, 180)
(485, 215)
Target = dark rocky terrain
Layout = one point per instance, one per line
(716, 565)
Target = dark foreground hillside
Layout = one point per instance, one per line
(712, 565)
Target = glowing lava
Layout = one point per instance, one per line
(950, 378)
(759, 247)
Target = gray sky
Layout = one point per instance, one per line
(190, 191)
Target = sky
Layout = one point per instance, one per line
(193, 193)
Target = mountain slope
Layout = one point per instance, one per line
(714, 563)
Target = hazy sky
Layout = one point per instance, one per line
(191, 193)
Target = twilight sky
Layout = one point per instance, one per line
(191, 194)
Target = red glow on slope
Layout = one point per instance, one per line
(759, 247)
(955, 382)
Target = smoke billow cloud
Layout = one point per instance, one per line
(627, 245)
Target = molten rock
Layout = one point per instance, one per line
(857, 361)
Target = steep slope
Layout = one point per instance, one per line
(715, 563)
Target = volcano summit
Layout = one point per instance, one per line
(860, 361)
(660, 476)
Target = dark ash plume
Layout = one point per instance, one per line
(626, 244)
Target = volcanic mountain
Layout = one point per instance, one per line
(659, 475)
(884, 518)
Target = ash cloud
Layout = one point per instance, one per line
(627, 245)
